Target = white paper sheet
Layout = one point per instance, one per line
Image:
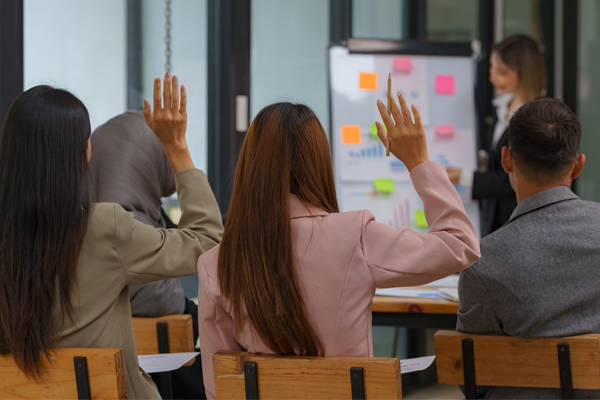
(164, 362)
(449, 293)
(415, 364)
(410, 292)
(449, 281)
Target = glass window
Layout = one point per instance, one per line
(188, 62)
(380, 19)
(292, 64)
(79, 46)
(452, 20)
(523, 17)
(588, 97)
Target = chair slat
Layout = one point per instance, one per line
(180, 331)
(507, 361)
(305, 377)
(106, 373)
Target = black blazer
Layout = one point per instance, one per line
(497, 198)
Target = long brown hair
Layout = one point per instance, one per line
(522, 54)
(44, 209)
(285, 151)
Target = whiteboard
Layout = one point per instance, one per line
(441, 86)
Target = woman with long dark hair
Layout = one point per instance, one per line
(65, 264)
(293, 276)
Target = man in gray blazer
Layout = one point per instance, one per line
(539, 275)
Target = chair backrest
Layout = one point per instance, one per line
(180, 334)
(501, 360)
(65, 376)
(241, 375)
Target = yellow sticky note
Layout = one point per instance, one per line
(384, 185)
(351, 134)
(367, 81)
(420, 220)
(373, 130)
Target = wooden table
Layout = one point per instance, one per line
(413, 312)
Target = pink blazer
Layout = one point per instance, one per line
(340, 259)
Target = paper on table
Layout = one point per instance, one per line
(409, 292)
(164, 362)
(415, 364)
(449, 293)
(449, 281)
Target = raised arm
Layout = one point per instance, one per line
(148, 254)
(406, 258)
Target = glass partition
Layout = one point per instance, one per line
(380, 19)
(452, 20)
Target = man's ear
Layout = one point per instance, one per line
(579, 163)
(507, 163)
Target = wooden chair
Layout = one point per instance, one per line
(168, 334)
(241, 375)
(497, 360)
(71, 374)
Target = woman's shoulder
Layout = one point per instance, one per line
(207, 263)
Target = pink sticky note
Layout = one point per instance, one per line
(444, 130)
(403, 64)
(444, 84)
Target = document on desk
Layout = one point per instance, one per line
(449, 281)
(430, 293)
(415, 364)
(164, 362)
(449, 293)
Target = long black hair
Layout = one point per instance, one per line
(44, 212)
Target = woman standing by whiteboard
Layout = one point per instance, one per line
(518, 72)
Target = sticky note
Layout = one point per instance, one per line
(420, 220)
(403, 64)
(384, 185)
(351, 134)
(444, 130)
(373, 130)
(367, 81)
(444, 84)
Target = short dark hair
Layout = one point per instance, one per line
(544, 137)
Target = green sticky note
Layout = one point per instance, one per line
(420, 219)
(373, 130)
(384, 185)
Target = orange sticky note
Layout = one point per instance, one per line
(367, 81)
(351, 134)
(444, 84)
(444, 130)
(403, 64)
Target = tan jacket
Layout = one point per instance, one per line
(119, 251)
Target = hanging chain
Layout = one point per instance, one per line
(168, 52)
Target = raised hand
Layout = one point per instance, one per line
(169, 123)
(408, 141)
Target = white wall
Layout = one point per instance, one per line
(79, 45)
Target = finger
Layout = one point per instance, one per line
(417, 114)
(396, 113)
(148, 113)
(175, 94)
(381, 132)
(183, 109)
(405, 111)
(385, 116)
(156, 96)
(167, 91)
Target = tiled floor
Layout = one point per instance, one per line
(438, 392)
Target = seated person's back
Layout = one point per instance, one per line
(295, 276)
(538, 275)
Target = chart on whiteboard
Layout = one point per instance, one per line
(442, 89)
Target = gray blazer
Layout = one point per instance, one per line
(538, 276)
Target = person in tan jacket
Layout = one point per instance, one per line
(66, 264)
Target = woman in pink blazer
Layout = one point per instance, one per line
(292, 274)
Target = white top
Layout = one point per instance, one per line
(501, 103)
